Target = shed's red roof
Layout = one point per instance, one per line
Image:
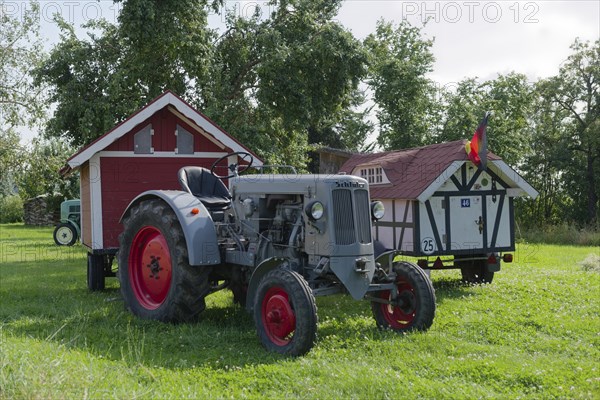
(411, 171)
(165, 99)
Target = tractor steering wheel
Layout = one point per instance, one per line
(233, 167)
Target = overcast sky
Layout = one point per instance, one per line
(472, 38)
(484, 38)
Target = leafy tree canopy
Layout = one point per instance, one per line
(21, 103)
(399, 60)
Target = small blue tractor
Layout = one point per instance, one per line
(68, 230)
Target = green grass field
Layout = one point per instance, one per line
(533, 333)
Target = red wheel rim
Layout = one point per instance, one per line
(278, 317)
(402, 316)
(150, 267)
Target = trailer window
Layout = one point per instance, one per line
(373, 175)
(185, 141)
(142, 141)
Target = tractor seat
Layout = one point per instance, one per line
(206, 187)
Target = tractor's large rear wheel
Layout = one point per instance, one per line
(285, 313)
(414, 306)
(157, 281)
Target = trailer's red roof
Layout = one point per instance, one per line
(411, 171)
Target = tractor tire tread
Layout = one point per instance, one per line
(424, 292)
(189, 285)
(303, 302)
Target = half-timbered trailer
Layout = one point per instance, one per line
(438, 203)
(143, 152)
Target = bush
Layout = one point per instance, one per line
(561, 234)
(11, 209)
(591, 263)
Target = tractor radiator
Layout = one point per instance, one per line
(344, 216)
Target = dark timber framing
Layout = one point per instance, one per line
(464, 188)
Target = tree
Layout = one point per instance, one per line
(509, 97)
(462, 111)
(98, 81)
(40, 174)
(10, 160)
(399, 60)
(576, 91)
(282, 82)
(21, 102)
(545, 164)
(276, 82)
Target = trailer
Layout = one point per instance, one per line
(442, 208)
(143, 152)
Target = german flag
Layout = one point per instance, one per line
(477, 148)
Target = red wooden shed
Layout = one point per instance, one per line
(141, 153)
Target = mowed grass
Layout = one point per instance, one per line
(533, 333)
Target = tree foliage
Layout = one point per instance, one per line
(544, 166)
(575, 94)
(10, 159)
(295, 78)
(400, 58)
(98, 81)
(509, 97)
(288, 80)
(40, 174)
(276, 83)
(21, 102)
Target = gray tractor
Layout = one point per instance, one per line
(276, 241)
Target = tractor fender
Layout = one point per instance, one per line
(386, 258)
(386, 261)
(74, 225)
(198, 227)
(261, 270)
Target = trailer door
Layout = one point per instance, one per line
(466, 222)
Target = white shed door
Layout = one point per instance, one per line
(466, 223)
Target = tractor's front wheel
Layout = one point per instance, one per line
(285, 313)
(157, 281)
(65, 234)
(414, 306)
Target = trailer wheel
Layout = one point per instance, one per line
(415, 308)
(476, 272)
(95, 272)
(157, 281)
(285, 313)
(65, 234)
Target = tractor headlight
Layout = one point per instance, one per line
(315, 210)
(377, 210)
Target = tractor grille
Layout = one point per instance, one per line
(343, 216)
(363, 216)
